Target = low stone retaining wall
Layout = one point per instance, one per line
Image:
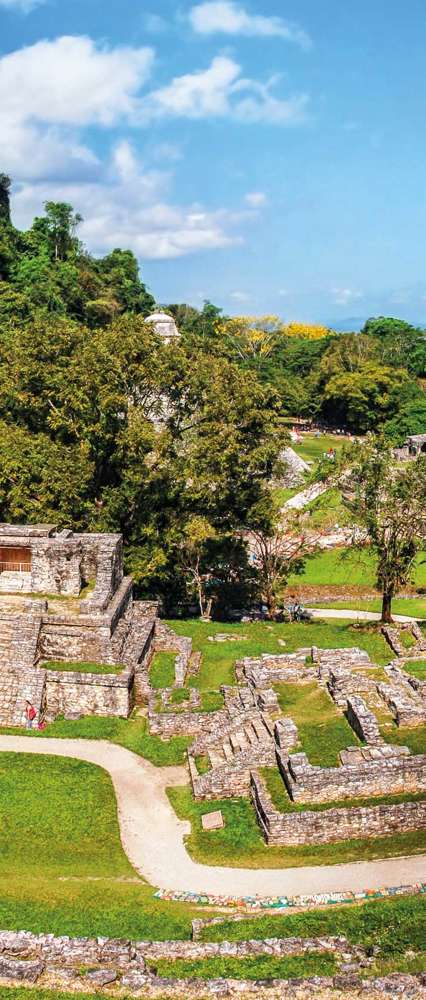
(168, 724)
(330, 825)
(392, 634)
(391, 772)
(88, 694)
(84, 964)
(342, 683)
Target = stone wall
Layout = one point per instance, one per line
(232, 778)
(168, 724)
(343, 683)
(363, 721)
(62, 562)
(329, 825)
(17, 686)
(167, 640)
(393, 635)
(87, 637)
(118, 966)
(383, 770)
(73, 693)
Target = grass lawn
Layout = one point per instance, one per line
(414, 738)
(415, 607)
(256, 638)
(162, 670)
(312, 448)
(323, 730)
(82, 668)
(328, 510)
(416, 669)
(259, 967)
(395, 926)
(284, 804)
(348, 567)
(62, 866)
(130, 733)
(240, 844)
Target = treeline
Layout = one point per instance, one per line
(368, 381)
(104, 427)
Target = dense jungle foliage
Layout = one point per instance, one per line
(105, 427)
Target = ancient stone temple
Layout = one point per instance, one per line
(164, 325)
(64, 601)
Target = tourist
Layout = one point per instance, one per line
(30, 714)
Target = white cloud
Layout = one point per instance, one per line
(71, 81)
(23, 6)
(226, 17)
(128, 207)
(240, 296)
(256, 199)
(52, 89)
(221, 91)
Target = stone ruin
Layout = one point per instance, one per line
(250, 733)
(414, 446)
(64, 598)
(111, 966)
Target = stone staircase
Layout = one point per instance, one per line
(251, 737)
(245, 742)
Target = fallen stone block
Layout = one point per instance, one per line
(213, 821)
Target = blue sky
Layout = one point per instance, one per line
(268, 155)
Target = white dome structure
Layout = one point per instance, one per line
(164, 325)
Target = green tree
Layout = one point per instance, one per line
(5, 185)
(399, 343)
(389, 501)
(364, 399)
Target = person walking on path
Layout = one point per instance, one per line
(30, 714)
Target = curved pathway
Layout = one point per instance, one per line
(152, 835)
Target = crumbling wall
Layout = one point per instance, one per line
(330, 825)
(383, 770)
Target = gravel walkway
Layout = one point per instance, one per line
(152, 836)
(357, 616)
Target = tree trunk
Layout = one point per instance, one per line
(387, 608)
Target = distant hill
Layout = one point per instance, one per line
(351, 324)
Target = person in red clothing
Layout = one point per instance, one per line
(30, 714)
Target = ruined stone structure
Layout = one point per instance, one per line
(79, 608)
(329, 825)
(101, 964)
(248, 735)
(414, 446)
(164, 325)
(64, 598)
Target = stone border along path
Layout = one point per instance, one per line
(152, 835)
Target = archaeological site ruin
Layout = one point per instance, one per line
(74, 642)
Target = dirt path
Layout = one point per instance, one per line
(358, 616)
(152, 836)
